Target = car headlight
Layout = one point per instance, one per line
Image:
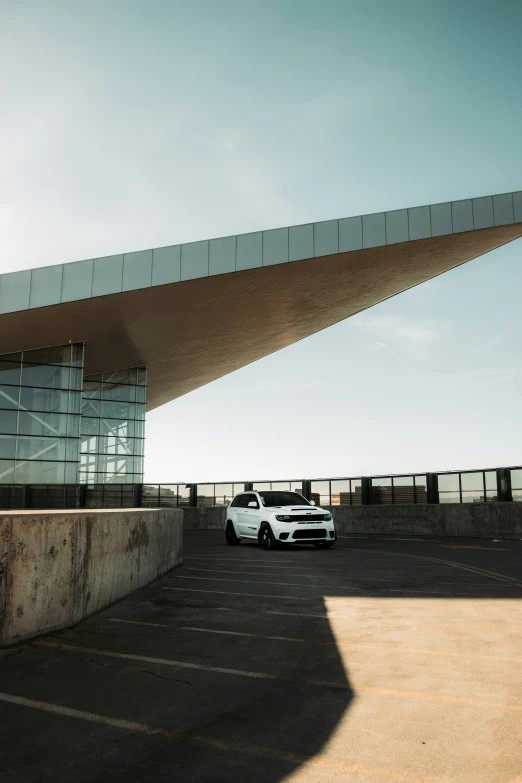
(327, 517)
(283, 518)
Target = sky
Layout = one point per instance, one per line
(128, 124)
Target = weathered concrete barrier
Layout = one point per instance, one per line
(57, 567)
(480, 520)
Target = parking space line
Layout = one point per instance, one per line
(351, 587)
(344, 686)
(232, 747)
(254, 595)
(347, 576)
(336, 645)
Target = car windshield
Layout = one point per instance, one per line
(271, 499)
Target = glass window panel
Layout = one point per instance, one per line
(285, 485)
(238, 488)
(128, 376)
(249, 251)
(517, 206)
(72, 448)
(516, 478)
(403, 491)
(40, 448)
(7, 446)
(472, 481)
(45, 400)
(58, 354)
(52, 377)
(141, 375)
(222, 256)
(381, 491)
(341, 492)
(462, 215)
(34, 472)
(166, 265)
(397, 226)
(321, 493)
(73, 426)
(118, 392)
(8, 421)
(374, 230)
(491, 479)
(9, 396)
(300, 242)
(42, 424)
(168, 495)
(90, 407)
(77, 350)
(350, 234)
(75, 399)
(118, 410)
(14, 291)
(275, 246)
(356, 492)
(71, 473)
(91, 390)
(113, 465)
(137, 270)
(141, 395)
(503, 209)
(441, 221)
(483, 212)
(448, 482)
(6, 471)
(77, 281)
(89, 426)
(223, 494)
(421, 492)
(9, 372)
(107, 275)
(449, 497)
(140, 411)
(75, 378)
(326, 238)
(194, 260)
(205, 494)
(46, 286)
(123, 429)
(296, 486)
(183, 495)
(473, 496)
(419, 223)
(89, 444)
(259, 485)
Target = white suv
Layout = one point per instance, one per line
(272, 516)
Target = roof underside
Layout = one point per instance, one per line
(190, 333)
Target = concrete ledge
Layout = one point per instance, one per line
(472, 520)
(57, 567)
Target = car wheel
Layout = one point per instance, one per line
(266, 537)
(323, 544)
(230, 535)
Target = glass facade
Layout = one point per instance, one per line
(113, 427)
(40, 398)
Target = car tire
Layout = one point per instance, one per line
(266, 537)
(323, 544)
(230, 535)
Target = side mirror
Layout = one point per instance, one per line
(312, 502)
(252, 504)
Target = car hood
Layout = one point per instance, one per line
(290, 510)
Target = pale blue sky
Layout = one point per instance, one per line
(128, 125)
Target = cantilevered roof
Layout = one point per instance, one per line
(195, 312)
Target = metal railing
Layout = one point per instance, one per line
(472, 486)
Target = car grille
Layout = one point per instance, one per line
(315, 533)
(308, 518)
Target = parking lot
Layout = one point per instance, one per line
(377, 660)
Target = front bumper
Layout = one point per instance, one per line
(302, 534)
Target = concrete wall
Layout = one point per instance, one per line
(57, 567)
(481, 520)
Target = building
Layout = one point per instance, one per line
(87, 347)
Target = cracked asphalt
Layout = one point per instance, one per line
(377, 660)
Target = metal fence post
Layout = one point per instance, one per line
(193, 496)
(366, 493)
(432, 487)
(249, 486)
(504, 493)
(307, 489)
